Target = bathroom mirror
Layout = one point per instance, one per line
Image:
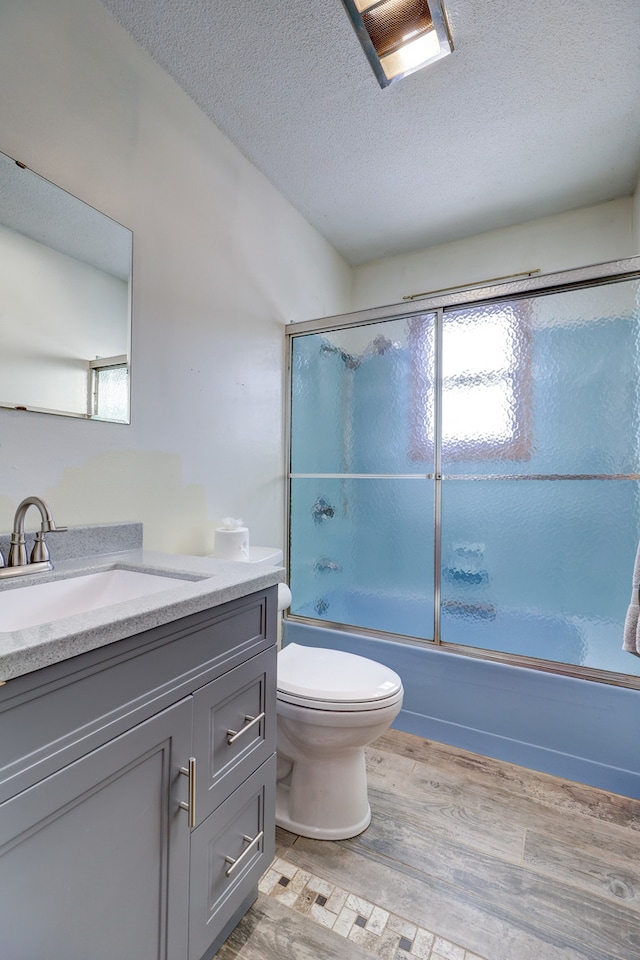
(65, 301)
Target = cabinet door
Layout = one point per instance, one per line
(234, 729)
(84, 855)
(229, 853)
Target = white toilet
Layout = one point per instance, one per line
(331, 705)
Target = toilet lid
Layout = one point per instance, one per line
(334, 677)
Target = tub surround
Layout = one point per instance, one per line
(206, 583)
(577, 729)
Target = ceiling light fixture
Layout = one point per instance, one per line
(400, 36)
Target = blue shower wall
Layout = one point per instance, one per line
(565, 547)
(354, 419)
(318, 407)
(320, 429)
(382, 416)
(576, 729)
(560, 547)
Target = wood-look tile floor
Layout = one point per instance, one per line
(466, 858)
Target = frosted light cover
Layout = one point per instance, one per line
(412, 55)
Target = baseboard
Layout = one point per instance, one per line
(530, 755)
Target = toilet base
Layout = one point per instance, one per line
(283, 820)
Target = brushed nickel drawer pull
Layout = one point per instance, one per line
(236, 863)
(233, 735)
(190, 807)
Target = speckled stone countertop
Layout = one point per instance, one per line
(207, 582)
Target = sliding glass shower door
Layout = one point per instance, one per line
(361, 505)
(471, 475)
(540, 511)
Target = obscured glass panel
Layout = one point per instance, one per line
(479, 410)
(544, 385)
(484, 409)
(352, 396)
(112, 393)
(540, 568)
(485, 347)
(361, 553)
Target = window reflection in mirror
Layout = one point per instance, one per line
(65, 301)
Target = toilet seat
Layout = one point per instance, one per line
(321, 679)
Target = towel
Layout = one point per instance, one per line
(631, 642)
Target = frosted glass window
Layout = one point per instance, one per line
(486, 366)
(488, 347)
(479, 410)
(571, 359)
(485, 370)
(480, 369)
(111, 393)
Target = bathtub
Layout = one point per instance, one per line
(578, 729)
(469, 623)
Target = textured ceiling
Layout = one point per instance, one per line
(537, 111)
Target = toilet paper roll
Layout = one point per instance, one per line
(232, 544)
(284, 596)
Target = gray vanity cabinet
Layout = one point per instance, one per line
(85, 866)
(228, 858)
(103, 852)
(234, 730)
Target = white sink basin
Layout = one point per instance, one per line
(38, 603)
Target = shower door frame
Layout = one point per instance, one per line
(414, 306)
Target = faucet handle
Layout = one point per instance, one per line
(49, 526)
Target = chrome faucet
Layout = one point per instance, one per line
(17, 563)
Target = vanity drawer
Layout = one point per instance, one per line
(230, 851)
(234, 729)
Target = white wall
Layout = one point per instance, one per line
(574, 239)
(56, 315)
(221, 263)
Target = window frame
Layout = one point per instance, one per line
(95, 367)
